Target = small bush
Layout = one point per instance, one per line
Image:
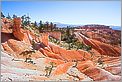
(48, 69)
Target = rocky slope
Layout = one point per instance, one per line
(21, 60)
(102, 48)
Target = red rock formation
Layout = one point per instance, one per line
(44, 38)
(17, 46)
(6, 25)
(102, 48)
(65, 60)
(62, 68)
(49, 54)
(56, 61)
(114, 70)
(68, 55)
(96, 73)
(7, 48)
(17, 29)
(86, 55)
(82, 66)
(21, 34)
(93, 26)
(56, 35)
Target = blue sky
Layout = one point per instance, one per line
(68, 12)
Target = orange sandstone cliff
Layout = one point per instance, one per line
(50, 62)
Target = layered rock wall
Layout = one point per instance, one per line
(56, 35)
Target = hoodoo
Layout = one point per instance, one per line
(29, 54)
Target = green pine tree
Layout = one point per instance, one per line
(51, 26)
(14, 16)
(35, 24)
(9, 17)
(2, 15)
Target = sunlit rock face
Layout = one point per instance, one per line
(102, 48)
(56, 35)
(95, 72)
(62, 68)
(70, 55)
(44, 38)
(6, 25)
(50, 62)
(15, 47)
(17, 29)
